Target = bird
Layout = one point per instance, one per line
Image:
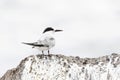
(46, 41)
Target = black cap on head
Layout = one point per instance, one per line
(48, 29)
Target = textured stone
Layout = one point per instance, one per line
(60, 67)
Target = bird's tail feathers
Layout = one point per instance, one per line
(31, 44)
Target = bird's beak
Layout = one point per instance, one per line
(58, 30)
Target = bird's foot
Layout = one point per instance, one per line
(49, 55)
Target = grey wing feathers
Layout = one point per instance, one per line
(35, 44)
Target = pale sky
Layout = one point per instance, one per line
(91, 28)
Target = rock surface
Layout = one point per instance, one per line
(60, 67)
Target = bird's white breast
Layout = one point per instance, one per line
(46, 40)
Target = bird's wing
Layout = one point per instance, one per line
(35, 44)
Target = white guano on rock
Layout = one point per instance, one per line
(60, 67)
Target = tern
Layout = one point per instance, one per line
(46, 41)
